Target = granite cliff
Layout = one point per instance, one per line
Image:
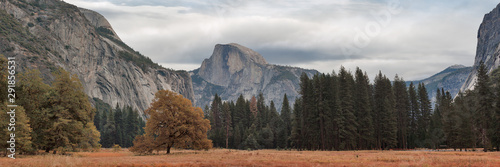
(234, 69)
(488, 49)
(47, 34)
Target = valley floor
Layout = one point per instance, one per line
(223, 157)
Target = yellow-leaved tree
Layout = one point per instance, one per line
(173, 122)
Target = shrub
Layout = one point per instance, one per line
(116, 148)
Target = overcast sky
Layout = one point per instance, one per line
(412, 38)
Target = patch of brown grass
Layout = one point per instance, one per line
(224, 157)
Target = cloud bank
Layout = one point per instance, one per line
(420, 39)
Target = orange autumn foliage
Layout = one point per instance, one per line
(173, 122)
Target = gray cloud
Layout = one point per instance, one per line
(422, 39)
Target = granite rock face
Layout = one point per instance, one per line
(234, 69)
(48, 34)
(488, 49)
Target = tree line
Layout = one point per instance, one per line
(118, 126)
(345, 111)
(249, 124)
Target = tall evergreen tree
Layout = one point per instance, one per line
(362, 108)
(286, 117)
(435, 134)
(402, 111)
(348, 124)
(297, 125)
(132, 126)
(414, 115)
(496, 118)
(238, 121)
(464, 106)
(423, 117)
(226, 115)
(385, 120)
(310, 133)
(262, 112)
(109, 132)
(333, 123)
(483, 115)
(216, 133)
(450, 117)
(118, 125)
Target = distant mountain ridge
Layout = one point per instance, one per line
(234, 69)
(451, 79)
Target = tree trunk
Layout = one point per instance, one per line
(168, 149)
(227, 136)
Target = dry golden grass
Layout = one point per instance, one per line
(223, 157)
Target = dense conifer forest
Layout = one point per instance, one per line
(345, 111)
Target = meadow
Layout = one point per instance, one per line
(224, 157)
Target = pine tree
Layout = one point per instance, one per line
(226, 114)
(309, 118)
(253, 106)
(402, 111)
(333, 124)
(97, 118)
(466, 107)
(362, 108)
(262, 116)
(495, 140)
(436, 134)
(385, 119)
(119, 126)
(484, 102)
(286, 117)
(348, 125)
(109, 131)
(274, 122)
(414, 115)
(297, 125)
(216, 134)
(423, 117)
(451, 119)
(132, 126)
(238, 121)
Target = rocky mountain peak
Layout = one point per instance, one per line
(456, 66)
(228, 59)
(245, 53)
(235, 70)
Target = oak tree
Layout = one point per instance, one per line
(173, 122)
